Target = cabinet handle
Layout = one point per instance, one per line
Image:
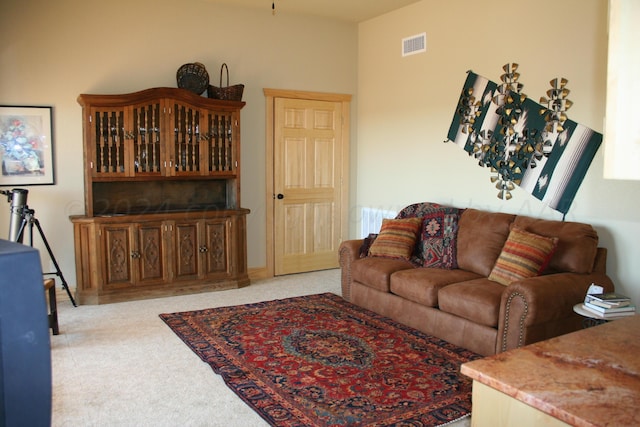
(203, 249)
(135, 254)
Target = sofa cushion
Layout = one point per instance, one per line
(476, 300)
(436, 244)
(481, 236)
(421, 285)
(397, 238)
(524, 255)
(577, 243)
(375, 272)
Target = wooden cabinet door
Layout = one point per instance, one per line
(117, 256)
(134, 254)
(215, 248)
(186, 249)
(150, 254)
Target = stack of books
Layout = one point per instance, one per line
(609, 305)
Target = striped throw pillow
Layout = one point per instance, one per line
(397, 238)
(523, 255)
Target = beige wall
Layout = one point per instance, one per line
(406, 105)
(51, 51)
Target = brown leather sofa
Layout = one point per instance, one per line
(462, 305)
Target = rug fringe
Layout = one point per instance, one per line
(454, 421)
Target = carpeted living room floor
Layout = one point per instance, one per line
(120, 365)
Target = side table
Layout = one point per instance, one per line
(591, 318)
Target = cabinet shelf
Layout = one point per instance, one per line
(133, 197)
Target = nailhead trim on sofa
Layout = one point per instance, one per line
(346, 271)
(506, 320)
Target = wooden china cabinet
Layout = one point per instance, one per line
(162, 197)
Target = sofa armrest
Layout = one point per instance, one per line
(348, 252)
(541, 307)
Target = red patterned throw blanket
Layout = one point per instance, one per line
(320, 361)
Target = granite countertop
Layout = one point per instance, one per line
(586, 378)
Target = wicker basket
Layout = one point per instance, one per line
(229, 93)
(193, 77)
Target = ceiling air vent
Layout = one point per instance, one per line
(414, 44)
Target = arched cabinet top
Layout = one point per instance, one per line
(146, 95)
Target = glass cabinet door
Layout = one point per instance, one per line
(127, 141)
(107, 156)
(186, 156)
(221, 140)
(147, 151)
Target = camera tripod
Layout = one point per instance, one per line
(21, 216)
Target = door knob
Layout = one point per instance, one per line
(280, 196)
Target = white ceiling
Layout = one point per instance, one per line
(344, 10)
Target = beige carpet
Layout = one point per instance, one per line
(120, 365)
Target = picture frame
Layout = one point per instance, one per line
(26, 146)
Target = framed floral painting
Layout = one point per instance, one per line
(26, 146)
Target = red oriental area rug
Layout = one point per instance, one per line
(319, 360)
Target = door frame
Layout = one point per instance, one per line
(270, 95)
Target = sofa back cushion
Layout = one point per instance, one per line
(481, 236)
(577, 243)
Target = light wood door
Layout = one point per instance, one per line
(307, 184)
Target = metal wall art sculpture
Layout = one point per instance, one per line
(534, 146)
